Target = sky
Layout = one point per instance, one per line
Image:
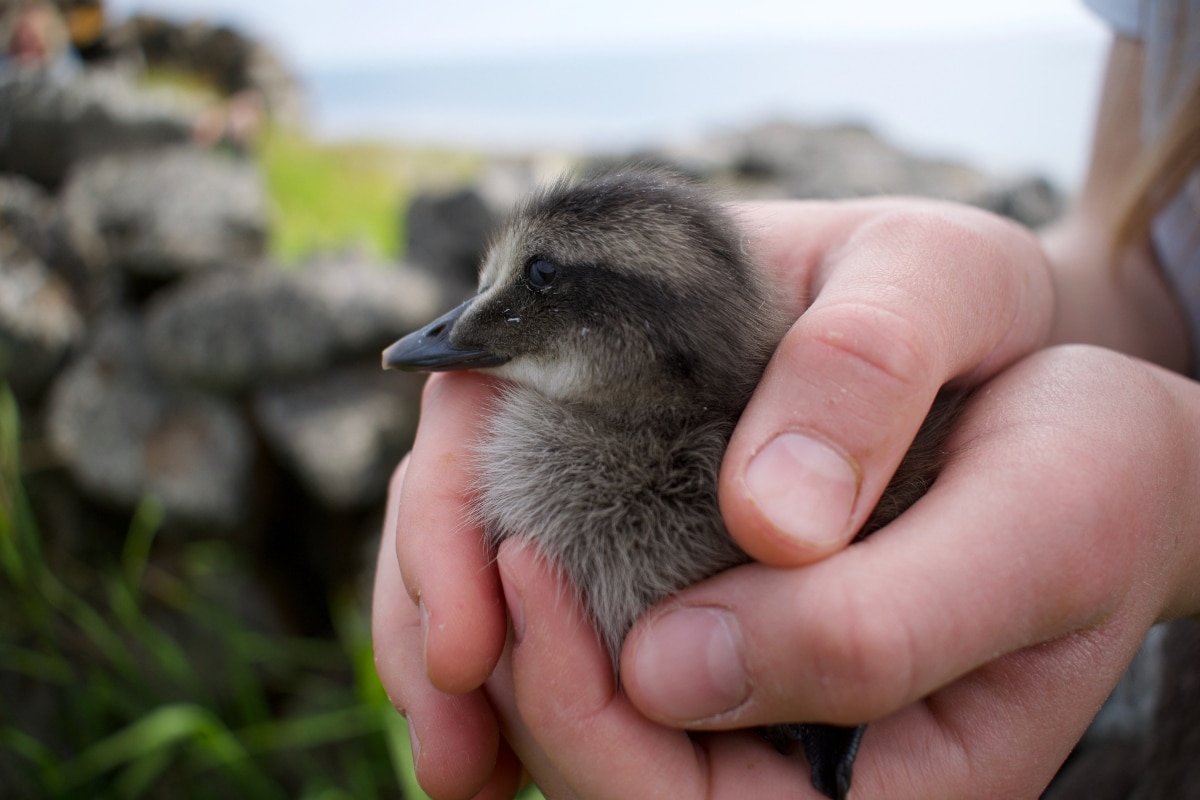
(322, 34)
(913, 69)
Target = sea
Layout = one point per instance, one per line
(1012, 105)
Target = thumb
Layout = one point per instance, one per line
(913, 296)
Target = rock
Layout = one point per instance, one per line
(370, 305)
(26, 213)
(124, 435)
(343, 433)
(49, 123)
(226, 58)
(285, 99)
(447, 236)
(1032, 201)
(233, 331)
(38, 321)
(219, 53)
(171, 212)
(229, 331)
(782, 160)
(787, 160)
(35, 221)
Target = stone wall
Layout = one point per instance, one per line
(156, 350)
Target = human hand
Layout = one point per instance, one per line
(434, 650)
(981, 630)
(904, 296)
(893, 300)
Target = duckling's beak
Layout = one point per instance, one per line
(430, 349)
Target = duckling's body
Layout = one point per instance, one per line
(634, 329)
(628, 512)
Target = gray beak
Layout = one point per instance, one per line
(430, 349)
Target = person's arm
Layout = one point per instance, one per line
(1117, 300)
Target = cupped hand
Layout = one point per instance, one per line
(980, 631)
(434, 649)
(901, 297)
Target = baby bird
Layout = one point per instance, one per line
(633, 327)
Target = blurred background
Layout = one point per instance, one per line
(215, 214)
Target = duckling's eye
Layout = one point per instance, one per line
(541, 273)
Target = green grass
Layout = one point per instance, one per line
(128, 666)
(334, 196)
(128, 679)
(330, 196)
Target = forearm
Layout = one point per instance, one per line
(1116, 300)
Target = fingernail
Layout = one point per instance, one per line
(516, 605)
(689, 664)
(414, 742)
(804, 488)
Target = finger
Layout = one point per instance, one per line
(446, 566)
(578, 734)
(908, 297)
(1002, 731)
(1026, 536)
(454, 737)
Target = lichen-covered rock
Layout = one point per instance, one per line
(797, 161)
(38, 321)
(784, 160)
(26, 212)
(343, 433)
(233, 331)
(50, 122)
(232, 61)
(229, 331)
(124, 435)
(370, 305)
(32, 217)
(447, 235)
(168, 213)
(1031, 201)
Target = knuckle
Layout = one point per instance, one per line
(971, 270)
(878, 347)
(864, 657)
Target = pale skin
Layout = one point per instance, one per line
(978, 633)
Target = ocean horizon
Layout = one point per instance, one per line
(1008, 105)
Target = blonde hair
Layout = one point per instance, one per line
(1161, 172)
(1162, 169)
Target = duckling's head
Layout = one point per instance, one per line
(625, 289)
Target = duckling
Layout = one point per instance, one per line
(632, 327)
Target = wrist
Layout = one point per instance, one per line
(1122, 302)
